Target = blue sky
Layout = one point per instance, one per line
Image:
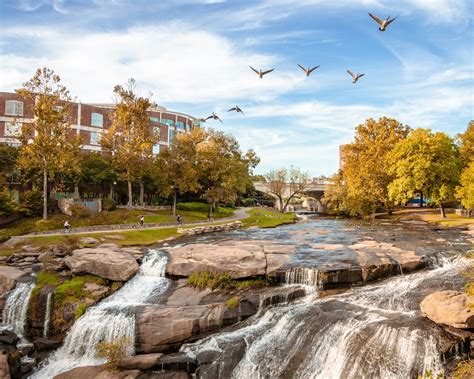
(193, 55)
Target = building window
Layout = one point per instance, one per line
(167, 121)
(180, 125)
(154, 119)
(95, 138)
(171, 137)
(97, 119)
(12, 129)
(156, 149)
(60, 109)
(14, 108)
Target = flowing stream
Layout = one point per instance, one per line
(110, 320)
(16, 307)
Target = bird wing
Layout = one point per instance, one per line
(301, 67)
(378, 20)
(216, 117)
(360, 75)
(232, 109)
(208, 117)
(266, 72)
(254, 70)
(240, 110)
(350, 73)
(390, 21)
(314, 68)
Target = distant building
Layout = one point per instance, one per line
(89, 121)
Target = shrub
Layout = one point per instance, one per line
(31, 204)
(193, 206)
(109, 205)
(79, 211)
(248, 202)
(208, 279)
(113, 352)
(5, 203)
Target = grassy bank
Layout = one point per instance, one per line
(267, 218)
(432, 216)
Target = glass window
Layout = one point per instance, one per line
(171, 137)
(180, 125)
(12, 129)
(167, 121)
(156, 149)
(14, 108)
(95, 138)
(97, 119)
(59, 109)
(154, 119)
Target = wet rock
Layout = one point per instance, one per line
(8, 337)
(108, 262)
(166, 375)
(97, 372)
(4, 368)
(9, 276)
(140, 362)
(45, 344)
(177, 362)
(449, 308)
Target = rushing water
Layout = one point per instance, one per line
(110, 320)
(16, 307)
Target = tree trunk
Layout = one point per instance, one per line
(142, 193)
(130, 199)
(175, 197)
(76, 191)
(441, 209)
(421, 199)
(111, 193)
(45, 194)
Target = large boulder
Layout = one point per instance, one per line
(9, 276)
(449, 308)
(109, 262)
(139, 362)
(97, 372)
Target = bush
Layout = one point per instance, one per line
(113, 352)
(79, 211)
(31, 204)
(248, 202)
(5, 203)
(109, 205)
(194, 206)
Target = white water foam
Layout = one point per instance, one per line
(110, 320)
(16, 307)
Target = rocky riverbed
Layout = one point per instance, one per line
(274, 291)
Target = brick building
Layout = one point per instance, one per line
(89, 121)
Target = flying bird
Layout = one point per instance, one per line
(237, 109)
(213, 116)
(383, 23)
(355, 78)
(308, 70)
(260, 73)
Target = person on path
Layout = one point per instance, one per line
(179, 220)
(67, 226)
(209, 218)
(142, 220)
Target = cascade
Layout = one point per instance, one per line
(47, 317)
(16, 307)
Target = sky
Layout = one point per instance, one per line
(193, 56)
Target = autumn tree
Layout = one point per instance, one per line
(285, 184)
(366, 166)
(466, 144)
(335, 195)
(179, 166)
(465, 192)
(130, 139)
(427, 162)
(225, 170)
(48, 144)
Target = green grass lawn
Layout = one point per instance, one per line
(432, 215)
(266, 218)
(118, 216)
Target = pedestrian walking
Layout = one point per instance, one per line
(209, 218)
(179, 220)
(67, 226)
(142, 220)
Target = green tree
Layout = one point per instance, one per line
(466, 144)
(335, 195)
(130, 139)
(427, 162)
(48, 144)
(285, 184)
(465, 192)
(365, 172)
(97, 169)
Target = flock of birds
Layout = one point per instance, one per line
(383, 24)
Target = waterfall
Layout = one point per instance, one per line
(16, 306)
(47, 316)
(109, 321)
(369, 332)
(302, 275)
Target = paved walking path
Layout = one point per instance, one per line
(238, 215)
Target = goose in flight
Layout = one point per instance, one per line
(355, 78)
(260, 73)
(213, 116)
(237, 109)
(383, 23)
(308, 70)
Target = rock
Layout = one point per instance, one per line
(236, 261)
(161, 328)
(140, 362)
(334, 246)
(275, 261)
(97, 372)
(88, 241)
(31, 249)
(4, 368)
(278, 249)
(104, 261)
(166, 375)
(96, 290)
(51, 262)
(9, 276)
(449, 308)
(8, 337)
(177, 362)
(45, 344)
